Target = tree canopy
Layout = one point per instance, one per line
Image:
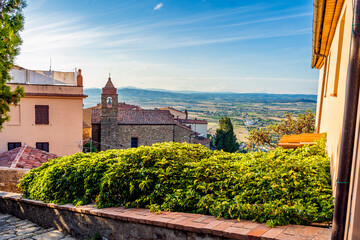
(303, 123)
(225, 138)
(11, 23)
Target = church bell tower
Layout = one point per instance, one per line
(108, 120)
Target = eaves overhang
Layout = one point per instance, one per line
(325, 19)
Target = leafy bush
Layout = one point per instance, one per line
(279, 187)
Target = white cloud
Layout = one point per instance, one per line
(157, 7)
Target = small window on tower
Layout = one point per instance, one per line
(134, 142)
(109, 101)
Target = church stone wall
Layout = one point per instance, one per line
(147, 134)
(182, 134)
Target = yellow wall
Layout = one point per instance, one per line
(331, 120)
(65, 129)
(333, 106)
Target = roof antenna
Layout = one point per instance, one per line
(50, 64)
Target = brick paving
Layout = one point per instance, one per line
(15, 229)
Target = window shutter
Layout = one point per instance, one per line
(37, 115)
(46, 147)
(41, 114)
(46, 115)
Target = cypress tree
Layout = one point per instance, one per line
(225, 138)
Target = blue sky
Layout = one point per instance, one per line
(197, 45)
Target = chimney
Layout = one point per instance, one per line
(79, 79)
(186, 114)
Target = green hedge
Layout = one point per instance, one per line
(279, 187)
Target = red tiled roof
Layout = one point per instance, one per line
(138, 117)
(202, 141)
(109, 84)
(294, 141)
(191, 121)
(109, 88)
(25, 157)
(167, 108)
(124, 106)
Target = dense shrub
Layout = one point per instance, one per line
(279, 187)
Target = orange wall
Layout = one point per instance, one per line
(64, 132)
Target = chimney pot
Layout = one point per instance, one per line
(79, 79)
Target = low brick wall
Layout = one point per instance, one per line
(129, 223)
(9, 178)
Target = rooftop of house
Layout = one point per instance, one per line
(202, 140)
(294, 141)
(171, 108)
(138, 117)
(192, 121)
(21, 75)
(122, 106)
(25, 157)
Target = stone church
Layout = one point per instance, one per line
(114, 127)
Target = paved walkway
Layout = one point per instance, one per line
(15, 228)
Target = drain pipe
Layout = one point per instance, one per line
(348, 130)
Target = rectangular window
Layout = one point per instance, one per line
(41, 114)
(338, 60)
(43, 146)
(134, 142)
(13, 145)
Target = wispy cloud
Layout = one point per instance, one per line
(168, 51)
(157, 7)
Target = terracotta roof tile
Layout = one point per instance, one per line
(171, 108)
(294, 141)
(138, 117)
(25, 157)
(109, 88)
(109, 84)
(192, 121)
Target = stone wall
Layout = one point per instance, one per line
(9, 178)
(95, 133)
(183, 134)
(147, 134)
(109, 133)
(140, 224)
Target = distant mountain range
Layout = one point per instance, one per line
(159, 97)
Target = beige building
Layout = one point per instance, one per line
(336, 32)
(199, 126)
(176, 113)
(49, 117)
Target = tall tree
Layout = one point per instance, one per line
(225, 138)
(11, 23)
